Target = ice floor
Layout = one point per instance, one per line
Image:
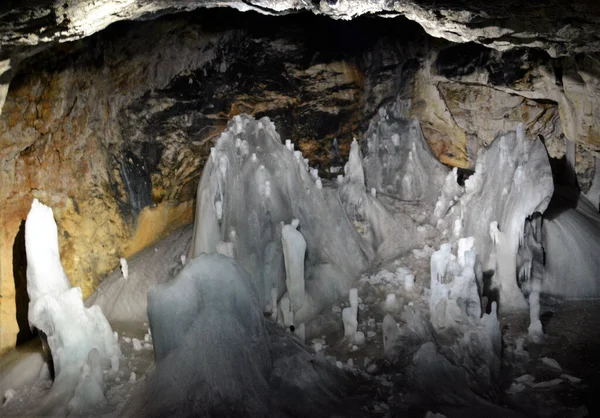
(530, 384)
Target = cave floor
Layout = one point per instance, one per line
(572, 338)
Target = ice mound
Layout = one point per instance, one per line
(251, 184)
(399, 162)
(571, 239)
(398, 172)
(385, 229)
(512, 181)
(455, 345)
(80, 340)
(125, 300)
(210, 345)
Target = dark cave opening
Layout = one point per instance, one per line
(20, 277)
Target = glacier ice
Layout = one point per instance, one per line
(80, 339)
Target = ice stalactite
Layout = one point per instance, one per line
(261, 183)
(512, 180)
(80, 339)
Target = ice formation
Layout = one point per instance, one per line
(401, 168)
(294, 248)
(249, 154)
(530, 261)
(512, 181)
(208, 331)
(454, 291)
(80, 339)
(398, 160)
(124, 267)
(571, 240)
(126, 300)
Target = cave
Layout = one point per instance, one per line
(299, 208)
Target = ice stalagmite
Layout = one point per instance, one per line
(512, 181)
(80, 340)
(454, 294)
(294, 247)
(260, 183)
(210, 343)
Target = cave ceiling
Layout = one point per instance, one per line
(561, 27)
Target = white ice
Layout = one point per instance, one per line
(512, 181)
(294, 248)
(571, 240)
(80, 340)
(124, 267)
(335, 253)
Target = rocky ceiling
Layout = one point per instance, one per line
(560, 27)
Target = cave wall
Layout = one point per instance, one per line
(112, 131)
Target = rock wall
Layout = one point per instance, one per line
(112, 131)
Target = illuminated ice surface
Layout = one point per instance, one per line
(261, 185)
(124, 300)
(512, 181)
(214, 355)
(80, 339)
